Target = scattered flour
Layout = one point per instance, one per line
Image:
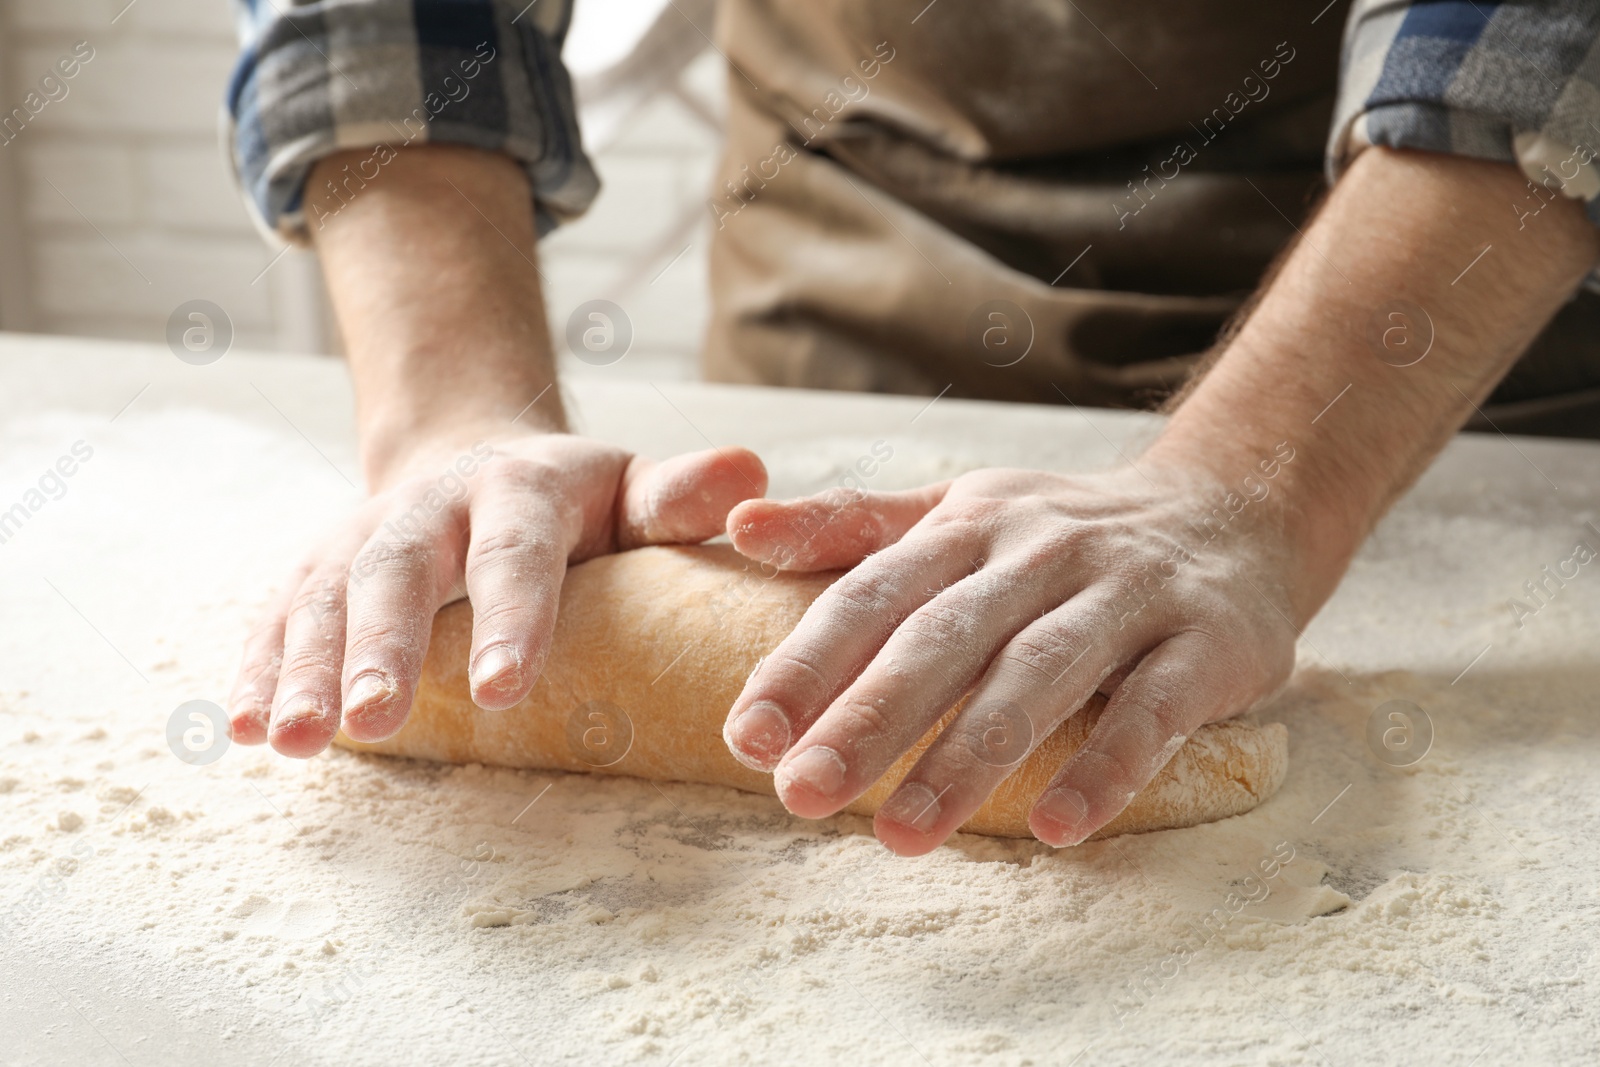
(354, 910)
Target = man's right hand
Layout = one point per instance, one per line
(495, 520)
(430, 260)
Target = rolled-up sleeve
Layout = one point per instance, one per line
(1514, 82)
(323, 76)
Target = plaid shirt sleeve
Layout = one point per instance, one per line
(1512, 81)
(319, 76)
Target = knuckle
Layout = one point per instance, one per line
(1242, 670)
(968, 773)
(260, 661)
(415, 516)
(1280, 665)
(1262, 663)
(870, 594)
(373, 640)
(507, 546)
(942, 624)
(1163, 705)
(523, 475)
(320, 596)
(507, 615)
(968, 516)
(1009, 482)
(257, 680)
(315, 662)
(501, 541)
(861, 718)
(1105, 603)
(837, 498)
(795, 671)
(1047, 550)
(977, 749)
(398, 557)
(1112, 773)
(1044, 651)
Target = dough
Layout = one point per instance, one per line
(651, 648)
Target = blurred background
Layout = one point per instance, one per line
(116, 202)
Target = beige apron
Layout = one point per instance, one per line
(1035, 200)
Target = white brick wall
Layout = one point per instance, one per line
(123, 207)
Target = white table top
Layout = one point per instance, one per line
(155, 912)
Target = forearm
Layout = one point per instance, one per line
(1399, 226)
(431, 270)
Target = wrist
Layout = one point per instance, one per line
(397, 445)
(432, 272)
(1273, 489)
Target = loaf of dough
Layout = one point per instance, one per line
(652, 646)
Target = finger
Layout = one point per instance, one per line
(305, 710)
(515, 565)
(250, 705)
(1174, 690)
(838, 636)
(685, 499)
(1040, 678)
(835, 529)
(926, 665)
(398, 581)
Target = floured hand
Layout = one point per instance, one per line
(497, 522)
(1164, 590)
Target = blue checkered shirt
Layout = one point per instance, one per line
(1515, 82)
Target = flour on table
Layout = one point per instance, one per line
(355, 909)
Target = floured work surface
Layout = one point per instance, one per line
(361, 910)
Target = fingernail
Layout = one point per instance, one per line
(369, 689)
(760, 735)
(914, 806)
(295, 710)
(818, 769)
(370, 704)
(1066, 808)
(248, 716)
(495, 665)
(247, 726)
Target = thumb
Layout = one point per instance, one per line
(685, 499)
(838, 528)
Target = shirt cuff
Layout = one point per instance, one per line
(1514, 83)
(384, 75)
